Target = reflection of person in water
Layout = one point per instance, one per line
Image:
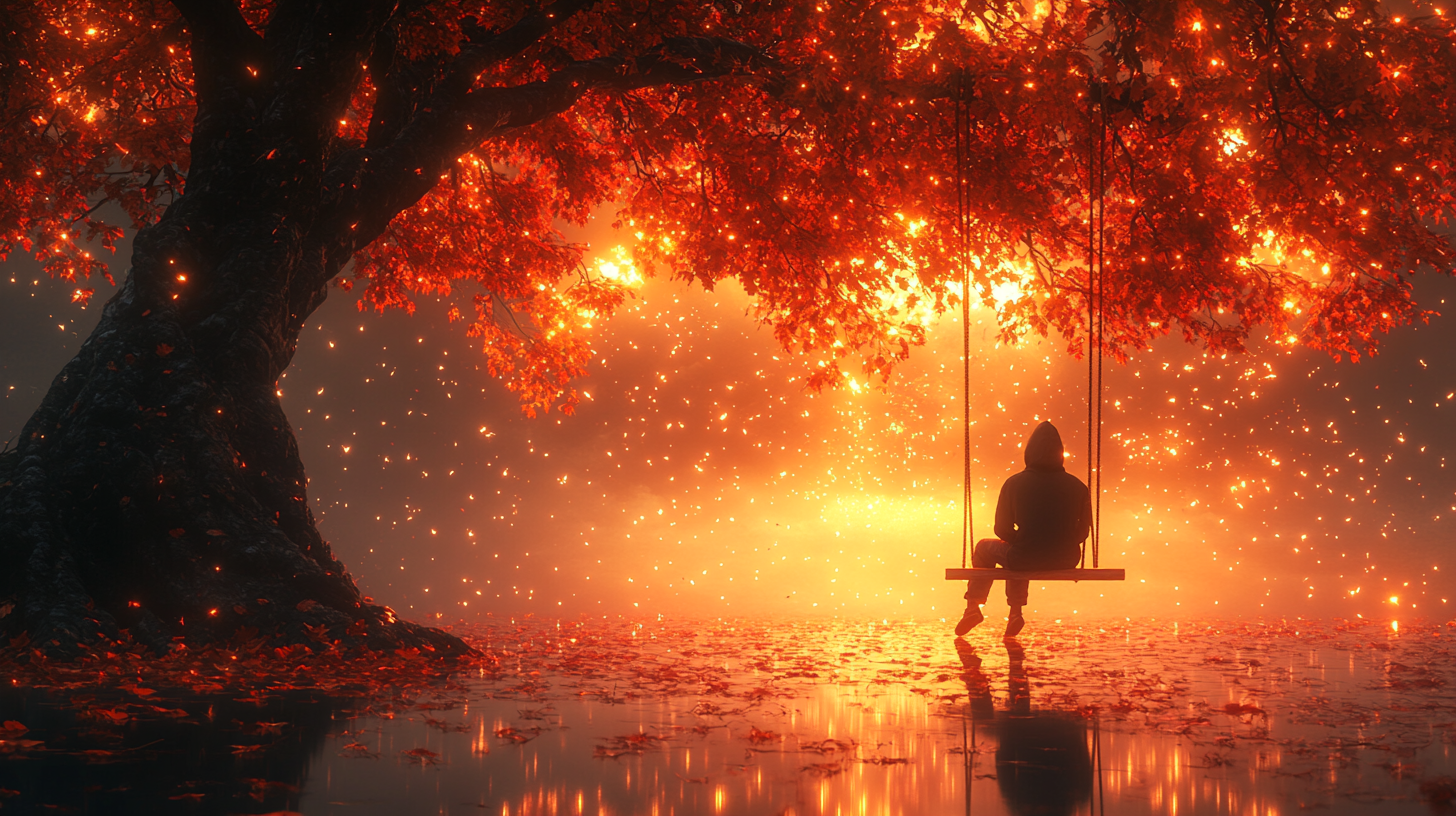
(1042, 517)
(1042, 763)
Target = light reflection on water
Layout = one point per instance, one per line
(792, 717)
(843, 718)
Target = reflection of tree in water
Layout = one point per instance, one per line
(225, 756)
(1043, 766)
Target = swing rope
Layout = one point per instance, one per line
(1097, 139)
(963, 227)
(1096, 314)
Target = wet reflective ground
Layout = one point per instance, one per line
(836, 717)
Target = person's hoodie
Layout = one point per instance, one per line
(1044, 512)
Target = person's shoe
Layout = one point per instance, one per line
(1014, 625)
(969, 620)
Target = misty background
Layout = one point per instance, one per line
(699, 477)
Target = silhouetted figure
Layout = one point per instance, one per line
(1043, 766)
(1042, 517)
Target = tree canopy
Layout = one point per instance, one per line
(1278, 163)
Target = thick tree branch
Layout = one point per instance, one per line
(394, 100)
(229, 63)
(220, 23)
(678, 62)
(489, 49)
(406, 89)
(320, 48)
(376, 185)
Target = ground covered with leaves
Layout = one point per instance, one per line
(617, 715)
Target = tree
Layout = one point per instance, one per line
(1263, 163)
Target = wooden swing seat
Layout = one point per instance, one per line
(1075, 574)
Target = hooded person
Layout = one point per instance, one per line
(1043, 515)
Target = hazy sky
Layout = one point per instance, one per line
(699, 477)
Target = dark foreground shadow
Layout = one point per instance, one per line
(82, 752)
(1043, 760)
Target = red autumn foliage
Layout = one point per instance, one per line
(633, 744)
(420, 756)
(760, 737)
(247, 669)
(1243, 710)
(357, 750)
(1281, 166)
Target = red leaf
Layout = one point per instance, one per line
(755, 735)
(423, 756)
(357, 750)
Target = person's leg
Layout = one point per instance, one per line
(985, 555)
(1016, 593)
(990, 552)
(976, 593)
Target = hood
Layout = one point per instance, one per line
(1044, 448)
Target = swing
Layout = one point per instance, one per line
(1096, 185)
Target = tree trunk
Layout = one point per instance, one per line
(158, 488)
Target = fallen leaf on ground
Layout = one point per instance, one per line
(423, 756)
(357, 750)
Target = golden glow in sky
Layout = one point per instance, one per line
(699, 477)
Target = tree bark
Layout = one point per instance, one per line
(158, 488)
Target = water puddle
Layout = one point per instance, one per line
(835, 717)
